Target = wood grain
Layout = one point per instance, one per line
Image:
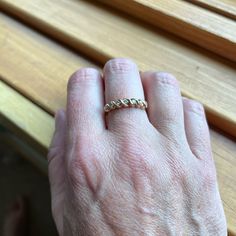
(224, 151)
(103, 34)
(26, 116)
(186, 20)
(224, 7)
(39, 125)
(30, 62)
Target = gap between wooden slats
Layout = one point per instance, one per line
(188, 21)
(224, 7)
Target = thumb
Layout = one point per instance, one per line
(59, 133)
(56, 167)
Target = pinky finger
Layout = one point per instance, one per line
(196, 129)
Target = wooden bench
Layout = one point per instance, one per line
(42, 42)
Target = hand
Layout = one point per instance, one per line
(132, 172)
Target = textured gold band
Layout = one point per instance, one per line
(125, 103)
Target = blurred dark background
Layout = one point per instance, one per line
(18, 177)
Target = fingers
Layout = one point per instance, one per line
(196, 129)
(56, 165)
(59, 132)
(165, 108)
(122, 80)
(85, 103)
(56, 153)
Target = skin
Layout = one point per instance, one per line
(131, 171)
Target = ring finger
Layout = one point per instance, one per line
(122, 80)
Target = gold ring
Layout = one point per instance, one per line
(125, 103)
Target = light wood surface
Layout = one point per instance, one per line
(101, 35)
(39, 125)
(224, 7)
(30, 62)
(186, 20)
(25, 115)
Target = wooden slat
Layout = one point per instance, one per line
(101, 34)
(37, 124)
(29, 61)
(188, 21)
(224, 151)
(26, 116)
(224, 7)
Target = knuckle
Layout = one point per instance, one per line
(202, 150)
(85, 167)
(164, 78)
(136, 156)
(53, 153)
(119, 65)
(130, 123)
(193, 106)
(84, 75)
(75, 176)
